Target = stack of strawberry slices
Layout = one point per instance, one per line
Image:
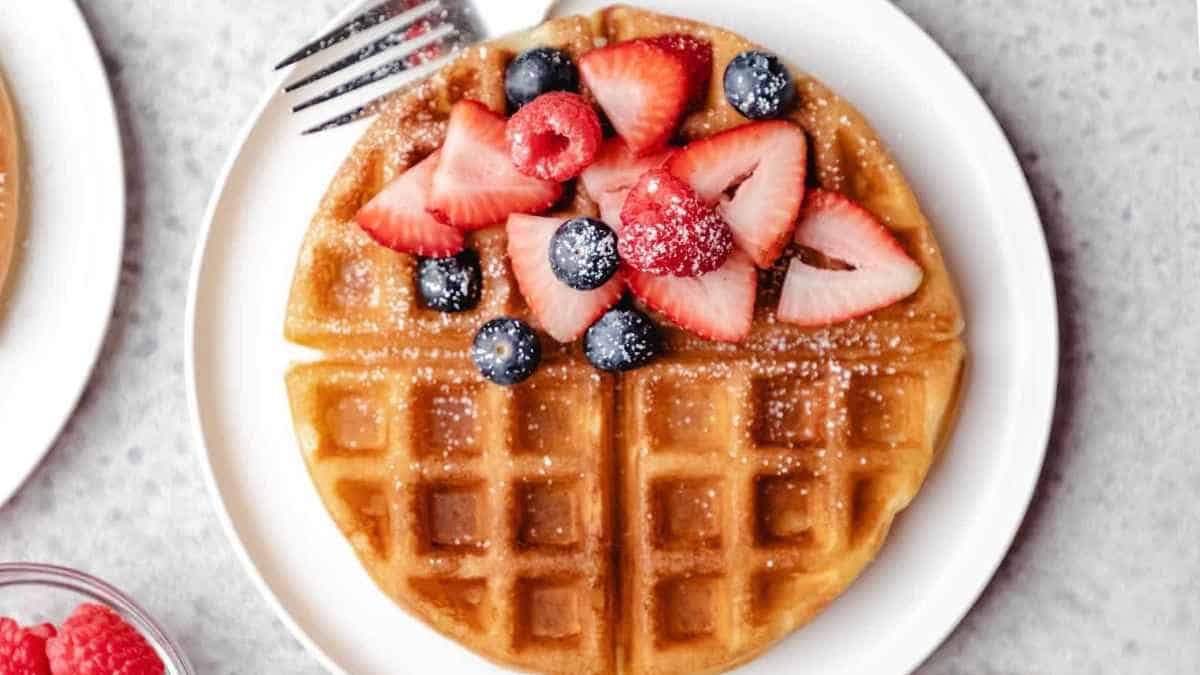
(683, 228)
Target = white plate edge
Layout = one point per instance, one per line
(195, 416)
(108, 120)
(1042, 402)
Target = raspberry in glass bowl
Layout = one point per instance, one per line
(34, 594)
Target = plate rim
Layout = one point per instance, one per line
(1042, 403)
(1019, 507)
(108, 124)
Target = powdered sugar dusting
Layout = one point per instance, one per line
(668, 229)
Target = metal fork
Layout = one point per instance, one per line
(424, 34)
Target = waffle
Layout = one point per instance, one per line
(10, 183)
(677, 518)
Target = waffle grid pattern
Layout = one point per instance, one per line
(478, 499)
(359, 296)
(753, 479)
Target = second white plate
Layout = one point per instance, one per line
(943, 549)
(60, 292)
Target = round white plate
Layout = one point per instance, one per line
(943, 549)
(55, 309)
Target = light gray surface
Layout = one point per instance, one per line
(1101, 100)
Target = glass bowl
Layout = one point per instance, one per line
(33, 593)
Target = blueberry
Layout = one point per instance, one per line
(506, 350)
(758, 85)
(450, 284)
(622, 339)
(537, 71)
(583, 253)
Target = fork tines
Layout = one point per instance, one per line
(416, 57)
(372, 17)
(427, 31)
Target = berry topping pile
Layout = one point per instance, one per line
(622, 339)
(554, 137)
(681, 227)
(583, 253)
(667, 229)
(94, 640)
(450, 284)
(537, 71)
(506, 350)
(758, 85)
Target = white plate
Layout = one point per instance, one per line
(943, 549)
(61, 291)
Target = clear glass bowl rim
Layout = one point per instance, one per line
(40, 574)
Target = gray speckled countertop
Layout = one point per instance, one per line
(1101, 99)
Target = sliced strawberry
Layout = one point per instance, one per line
(880, 271)
(564, 313)
(610, 204)
(765, 163)
(396, 217)
(697, 58)
(612, 173)
(475, 183)
(716, 306)
(616, 167)
(643, 89)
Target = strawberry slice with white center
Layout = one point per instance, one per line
(716, 306)
(562, 311)
(643, 88)
(880, 272)
(613, 173)
(475, 183)
(764, 163)
(396, 217)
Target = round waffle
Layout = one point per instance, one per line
(677, 518)
(10, 183)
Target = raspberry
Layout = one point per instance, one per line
(95, 639)
(554, 137)
(23, 650)
(668, 229)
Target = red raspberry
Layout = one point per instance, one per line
(23, 650)
(696, 55)
(95, 640)
(668, 229)
(554, 137)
